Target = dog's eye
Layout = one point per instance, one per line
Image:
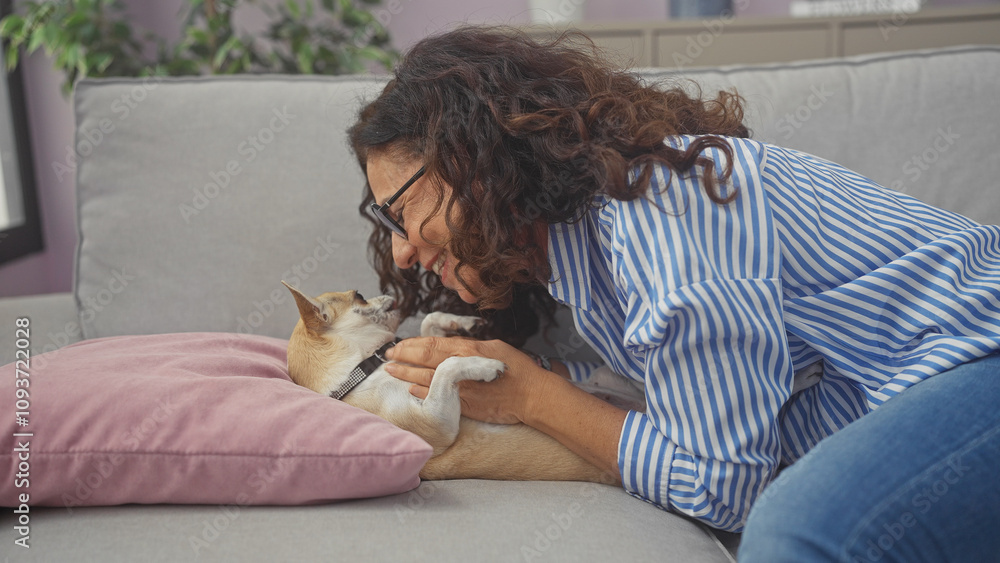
(358, 296)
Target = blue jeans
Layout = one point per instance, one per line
(917, 479)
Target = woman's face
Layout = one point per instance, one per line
(430, 246)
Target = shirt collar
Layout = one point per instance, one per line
(569, 258)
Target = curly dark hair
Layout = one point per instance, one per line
(524, 131)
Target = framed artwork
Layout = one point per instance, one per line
(20, 222)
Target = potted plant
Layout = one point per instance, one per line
(93, 38)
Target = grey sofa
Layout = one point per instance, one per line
(197, 196)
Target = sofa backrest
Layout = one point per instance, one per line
(197, 196)
(926, 123)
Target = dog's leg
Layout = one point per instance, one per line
(442, 408)
(446, 324)
(469, 449)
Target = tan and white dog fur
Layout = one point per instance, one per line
(337, 331)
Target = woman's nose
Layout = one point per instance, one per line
(403, 253)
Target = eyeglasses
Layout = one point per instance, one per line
(382, 211)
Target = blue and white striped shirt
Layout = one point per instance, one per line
(714, 308)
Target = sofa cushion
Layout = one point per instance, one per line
(926, 123)
(197, 196)
(190, 418)
(441, 522)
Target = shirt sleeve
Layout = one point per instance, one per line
(580, 372)
(700, 286)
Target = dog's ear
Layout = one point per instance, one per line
(313, 313)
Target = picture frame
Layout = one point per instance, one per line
(20, 219)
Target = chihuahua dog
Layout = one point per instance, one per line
(337, 349)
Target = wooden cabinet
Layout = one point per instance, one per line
(729, 40)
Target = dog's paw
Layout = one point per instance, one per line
(446, 324)
(472, 368)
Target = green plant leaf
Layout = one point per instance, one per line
(50, 33)
(37, 38)
(304, 56)
(100, 62)
(385, 58)
(73, 56)
(75, 20)
(11, 59)
(11, 25)
(198, 36)
(121, 31)
(82, 68)
(89, 33)
(231, 44)
(96, 38)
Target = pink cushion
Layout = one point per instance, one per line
(188, 418)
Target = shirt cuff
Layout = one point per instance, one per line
(645, 458)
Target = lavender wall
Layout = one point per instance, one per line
(51, 119)
(51, 128)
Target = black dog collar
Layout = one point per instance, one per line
(364, 369)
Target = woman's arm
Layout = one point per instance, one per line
(577, 371)
(560, 369)
(580, 421)
(524, 393)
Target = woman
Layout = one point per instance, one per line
(768, 300)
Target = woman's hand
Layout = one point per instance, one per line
(503, 401)
(524, 393)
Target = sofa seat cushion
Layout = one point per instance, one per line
(441, 521)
